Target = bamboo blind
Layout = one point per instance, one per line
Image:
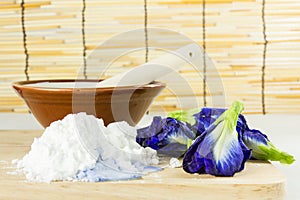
(254, 44)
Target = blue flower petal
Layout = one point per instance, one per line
(213, 155)
(246, 151)
(225, 155)
(254, 137)
(206, 117)
(193, 162)
(151, 130)
(241, 124)
(168, 135)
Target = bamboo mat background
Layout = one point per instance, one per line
(254, 44)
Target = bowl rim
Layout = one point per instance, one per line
(24, 85)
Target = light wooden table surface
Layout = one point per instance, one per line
(259, 180)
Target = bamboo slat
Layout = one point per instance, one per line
(57, 39)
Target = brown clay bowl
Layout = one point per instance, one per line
(112, 104)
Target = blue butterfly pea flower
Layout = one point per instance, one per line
(168, 136)
(262, 148)
(219, 150)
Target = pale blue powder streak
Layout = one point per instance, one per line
(103, 172)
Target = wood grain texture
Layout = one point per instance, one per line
(259, 180)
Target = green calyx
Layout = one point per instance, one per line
(184, 115)
(231, 116)
(270, 152)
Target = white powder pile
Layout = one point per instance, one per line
(120, 156)
(175, 163)
(80, 147)
(71, 85)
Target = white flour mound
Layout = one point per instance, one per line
(57, 154)
(63, 150)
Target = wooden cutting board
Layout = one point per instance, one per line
(259, 180)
